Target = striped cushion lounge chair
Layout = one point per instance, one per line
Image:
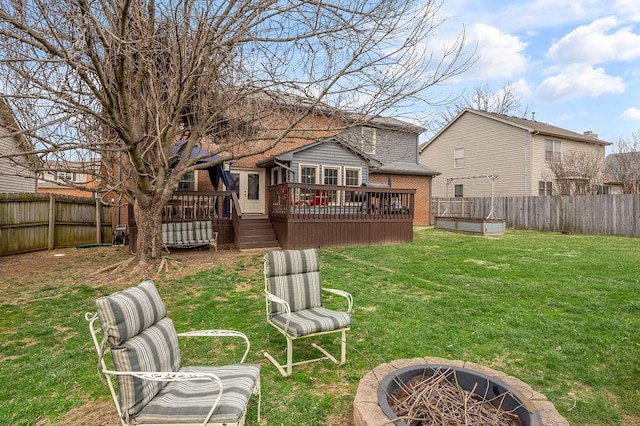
(295, 307)
(148, 383)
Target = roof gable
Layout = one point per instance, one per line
(289, 100)
(531, 126)
(289, 155)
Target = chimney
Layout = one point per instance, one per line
(590, 134)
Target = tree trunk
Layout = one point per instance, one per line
(148, 217)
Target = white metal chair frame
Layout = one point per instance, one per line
(295, 274)
(289, 365)
(169, 376)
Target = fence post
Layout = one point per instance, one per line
(52, 222)
(98, 222)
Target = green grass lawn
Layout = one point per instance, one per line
(560, 312)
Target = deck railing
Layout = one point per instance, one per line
(190, 205)
(295, 201)
(304, 215)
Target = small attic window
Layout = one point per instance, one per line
(368, 140)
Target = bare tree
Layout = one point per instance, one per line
(623, 166)
(578, 173)
(121, 81)
(505, 100)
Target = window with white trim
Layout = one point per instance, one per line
(545, 188)
(369, 140)
(331, 175)
(308, 174)
(188, 182)
(458, 158)
(66, 176)
(352, 176)
(458, 191)
(552, 150)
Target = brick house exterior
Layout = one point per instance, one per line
(395, 161)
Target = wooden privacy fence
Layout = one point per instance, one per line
(31, 222)
(583, 214)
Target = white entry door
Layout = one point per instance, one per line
(249, 185)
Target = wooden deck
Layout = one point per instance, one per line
(301, 215)
(306, 216)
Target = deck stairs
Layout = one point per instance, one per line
(255, 231)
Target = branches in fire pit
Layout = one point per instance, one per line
(439, 400)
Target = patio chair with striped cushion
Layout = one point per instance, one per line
(295, 307)
(141, 345)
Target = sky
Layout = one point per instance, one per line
(575, 63)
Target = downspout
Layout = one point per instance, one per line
(527, 165)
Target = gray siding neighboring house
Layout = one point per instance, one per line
(478, 143)
(17, 174)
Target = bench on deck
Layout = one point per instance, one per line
(192, 234)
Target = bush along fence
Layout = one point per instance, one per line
(32, 222)
(582, 214)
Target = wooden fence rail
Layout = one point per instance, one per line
(583, 214)
(32, 222)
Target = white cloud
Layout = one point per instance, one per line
(597, 43)
(579, 80)
(628, 10)
(523, 88)
(632, 113)
(499, 55)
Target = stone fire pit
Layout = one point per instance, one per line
(367, 410)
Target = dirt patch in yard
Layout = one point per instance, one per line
(96, 413)
(73, 266)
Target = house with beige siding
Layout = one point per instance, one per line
(17, 163)
(478, 150)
